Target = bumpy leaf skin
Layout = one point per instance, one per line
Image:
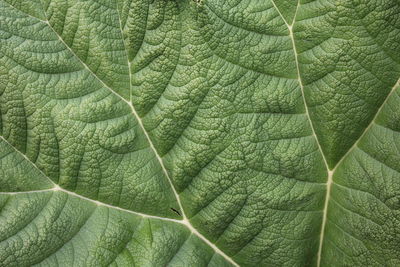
(91, 29)
(199, 133)
(33, 8)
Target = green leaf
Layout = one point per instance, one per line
(199, 133)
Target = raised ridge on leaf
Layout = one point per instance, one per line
(199, 133)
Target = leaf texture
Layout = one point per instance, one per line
(199, 133)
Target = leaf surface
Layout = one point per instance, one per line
(199, 133)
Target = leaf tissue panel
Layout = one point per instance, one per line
(200, 133)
